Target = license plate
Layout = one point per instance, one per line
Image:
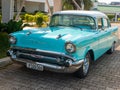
(35, 66)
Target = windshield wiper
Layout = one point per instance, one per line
(56, 25)
(77, 26)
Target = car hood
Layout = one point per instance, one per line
(63, 33)
(50, 38)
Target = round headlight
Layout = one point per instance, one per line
(70, 48)
(12, 40)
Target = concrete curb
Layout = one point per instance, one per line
(5, 61)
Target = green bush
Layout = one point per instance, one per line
(46, 18)
(111, 16)
(39, 21)
(27, 17)
(13, 26)
(0, 18)
(39, 18)
(31, 18)
(42, 17)
(4, 44)
(22, 17)
(2, 27)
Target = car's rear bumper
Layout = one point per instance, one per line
(70, 64)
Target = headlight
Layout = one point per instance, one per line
(70, 48)
(12, 40)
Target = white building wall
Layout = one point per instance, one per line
(45, 7)
(33, 6)
(7, 10)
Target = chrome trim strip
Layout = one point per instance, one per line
(43, 51)
(55, 68)
(38, 56)
(74, 66)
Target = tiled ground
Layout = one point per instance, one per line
(104, 75)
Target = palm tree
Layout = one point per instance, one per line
(69, 4)
(88, 4)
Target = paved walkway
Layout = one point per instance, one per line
(104, 75)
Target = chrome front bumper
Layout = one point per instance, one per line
(70, 66)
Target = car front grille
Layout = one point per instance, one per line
(40, 56)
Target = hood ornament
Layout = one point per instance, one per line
(28, 33)
(59, 36)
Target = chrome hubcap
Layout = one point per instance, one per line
(113, 47)
(86, 64)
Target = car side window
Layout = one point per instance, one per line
(105, 23)
(100, 25)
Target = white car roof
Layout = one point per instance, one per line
(95, 14)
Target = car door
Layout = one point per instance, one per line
(107, 28)
(102, 37)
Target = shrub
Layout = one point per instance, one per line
(118, 19)
(46, 18)
(4, 44)
(2, 27)
(111, 16)
(22, 17)
(13, 26)
(27, 17)
(31, 18)
(4, 39)
(39, 18)
(0, 18)
(39, 21)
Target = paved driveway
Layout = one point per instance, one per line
(104, 75)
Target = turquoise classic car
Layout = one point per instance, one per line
(69, 44)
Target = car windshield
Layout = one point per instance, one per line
(72, 21)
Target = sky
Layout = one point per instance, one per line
(108, 1)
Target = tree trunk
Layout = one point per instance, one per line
(19, 11)
(57, 5)
(48, 5)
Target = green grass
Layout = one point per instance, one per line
(4, 44)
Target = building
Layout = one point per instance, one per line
(95, 4)
(115, 3)
(31, 6)
(37, 5)
(110, 9)
(102, 3)
(9, 6)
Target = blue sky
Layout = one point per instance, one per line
(108, 1)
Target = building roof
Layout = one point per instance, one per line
(50, 1)
(94, 14)
(109, 8)
(36, 0)
(115, 3)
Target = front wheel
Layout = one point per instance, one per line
(83, 71)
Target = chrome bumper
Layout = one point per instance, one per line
(55, 68)
(72, 66)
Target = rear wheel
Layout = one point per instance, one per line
(112, 49)
(83, 71)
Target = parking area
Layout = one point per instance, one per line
(104, 75)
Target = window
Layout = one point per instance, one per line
(99, 23)
(70, 20)
(105, 23)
